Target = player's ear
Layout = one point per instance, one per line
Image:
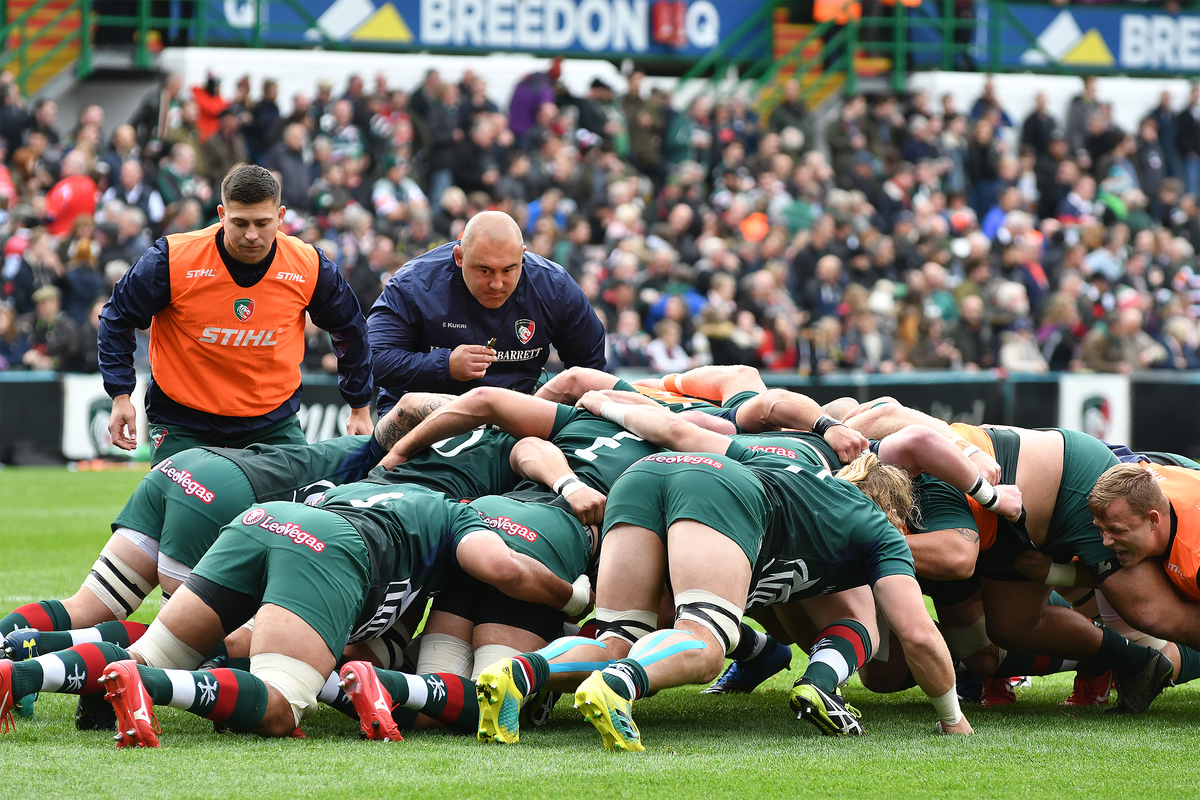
(220, 212)
(282, 211)
(458, 255)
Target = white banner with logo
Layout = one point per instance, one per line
(1096, 404)
(86, 410)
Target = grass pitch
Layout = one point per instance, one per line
(53, 524)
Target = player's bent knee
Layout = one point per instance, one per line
(116, 584)
(489, 654)
(712, 612)
(441, 652)
(624, 626)
(160, 648)
(298, 683)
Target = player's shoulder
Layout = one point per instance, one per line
(545, 275)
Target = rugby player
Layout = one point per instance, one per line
(314, 579)
(1055, 470)
(761, 525)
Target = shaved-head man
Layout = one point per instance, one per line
(479, 312)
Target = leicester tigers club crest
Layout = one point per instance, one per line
(243, 308)
(525, 328)
(158, 437)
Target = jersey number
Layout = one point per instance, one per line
(611, 442)
(474, 437)
(376, 499)
(823, 474)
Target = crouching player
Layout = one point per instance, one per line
(314, 579)
(472, 624)
(754, 524)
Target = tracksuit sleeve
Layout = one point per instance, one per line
(394, 327)
(581, 342)
(143, 292)
(335, 309)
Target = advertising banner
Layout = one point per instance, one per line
(564, 27)
(1096, 404)
(1129, 40)
(86, 411)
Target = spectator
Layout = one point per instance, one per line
(973, 336)
(1121, 345)
(1019, 349)
(132, 190)
(1038, 126)
(53, 336)
(89, 332)
(1082, 106)
(625, 347)
(74, 195)
(983, 166)
(528, 96)
(290, 158)
(159, 111)
(792, 115)
(209, 105)
(226, 148)
(665, 352)
(1187, 141)
(14, 340)
(177, 178)
(122, 147)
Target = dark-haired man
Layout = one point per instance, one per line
(225, 306)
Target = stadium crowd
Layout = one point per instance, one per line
(904, 233)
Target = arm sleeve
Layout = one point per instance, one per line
(143, 292)
(580, 338)
(394, 328)
(335, 309)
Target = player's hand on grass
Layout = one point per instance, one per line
(470, 361)
(1009, 506)
(846, 442)
(588, 505)
(122, 425)
(961, 727)
(988, 467)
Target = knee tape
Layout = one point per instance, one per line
(722, 618)
(964, 642)
(160, 648)
(443, 653)
(146, 544)
(116, 584)
(489, 654)
(664, 644)
(627, 625)
(298, 682)
(388, 647)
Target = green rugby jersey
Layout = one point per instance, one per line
(805, 446)
(597, 450)
(294, 472)
(541, 530)
(410, 533)
(938, 506)
(462, 467)
(823, 535)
